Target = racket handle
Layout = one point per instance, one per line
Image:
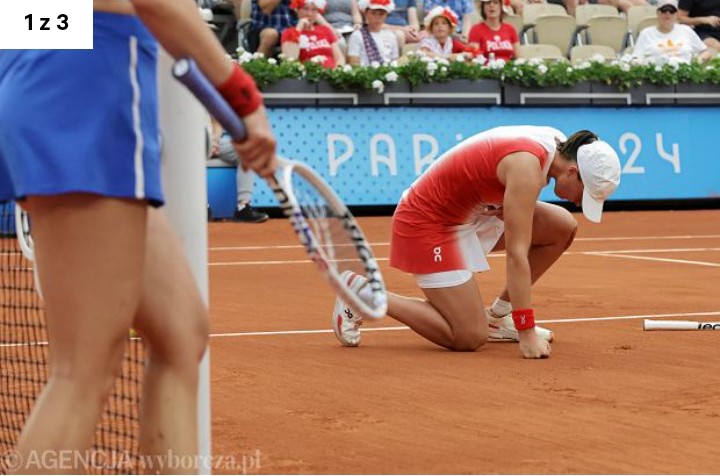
(651, 325)
(187, 72)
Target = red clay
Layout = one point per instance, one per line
(611, 399)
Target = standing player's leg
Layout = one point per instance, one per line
(173, 321)
(90, 270)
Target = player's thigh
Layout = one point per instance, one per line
(550, 224)
(89, 252)
(172, 315)
(461, 305)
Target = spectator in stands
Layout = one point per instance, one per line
(669, 39)
(372, 43)
(460, 8)
(404, 21)
(270, 18)
(441, 23)
(493, 38)
(309, 41)
(222, 148)
(341, 15)
(622, 5)
(704, 16)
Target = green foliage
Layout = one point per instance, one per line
(623, 73)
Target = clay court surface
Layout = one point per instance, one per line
(611, 399)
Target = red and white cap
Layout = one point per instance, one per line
(386, 5)
(599, 167)
(440, 11)
(298, 4)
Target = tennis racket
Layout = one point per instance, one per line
(651, 325)
(325, 227)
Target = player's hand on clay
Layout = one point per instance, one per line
(533, 346)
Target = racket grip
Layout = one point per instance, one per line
(187, 72)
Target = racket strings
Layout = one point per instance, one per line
(332, 238)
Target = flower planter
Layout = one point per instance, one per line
(362, 97)
(646, 95)
(290, 92)
(462, 92)
(576, 95)
(705, 94)
(609, 95)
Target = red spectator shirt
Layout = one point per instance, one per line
(315, 42)
(499, 42)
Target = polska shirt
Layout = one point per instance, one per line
(313, 43)
(500, 43)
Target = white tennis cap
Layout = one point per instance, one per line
(599, 168)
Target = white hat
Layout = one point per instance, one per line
(663, 3)
(386, 5)
(599, 167)
(440, 11)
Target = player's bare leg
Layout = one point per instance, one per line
(172, 319)
(451, 317)
(88, 311)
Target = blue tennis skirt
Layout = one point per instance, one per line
(82, 120)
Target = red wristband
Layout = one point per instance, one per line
(241, 92)
(524, 319)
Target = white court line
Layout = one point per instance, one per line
(404, 328)
(492, 255)
(648, 258)
(385, 243)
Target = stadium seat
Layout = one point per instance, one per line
(549, 52)
(558, 30)
(581, 53)
(610, 31)
(640, 26)
(587, 11)
(533, 10)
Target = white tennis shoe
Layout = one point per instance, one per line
(346, 323)
(502, 329)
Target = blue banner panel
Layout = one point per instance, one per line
(371, 155)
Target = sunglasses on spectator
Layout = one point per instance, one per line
(667, 10)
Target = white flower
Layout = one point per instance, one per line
(319, 59)
(425, 58)
(597, 58)
(346, 68)
(379, 86)
(460, 57)
(443, 61)
(535, 61)
(258, 55)
(542, 69)
(625, 67)
(392, 76)
(394, 64)
(583, 65)
(245, 57)
(443, 69)
(496, 64)
(520, 61)
(432, 66)
(658, 68)
(674, 62)
(272, 61)
(431, 73)
(374, 64)
(479, 59)
(568, 70)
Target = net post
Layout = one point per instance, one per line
(183, 123)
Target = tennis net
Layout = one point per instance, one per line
(24, 366)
